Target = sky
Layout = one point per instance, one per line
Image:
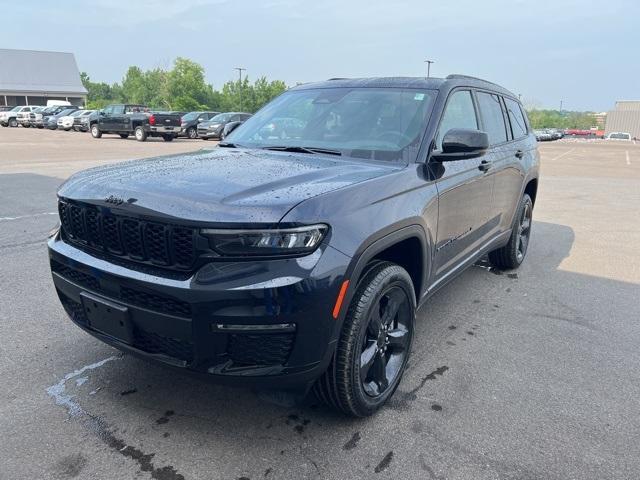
(584, 53)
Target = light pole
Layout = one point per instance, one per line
(240, 70)
(429, 62)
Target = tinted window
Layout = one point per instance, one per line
(459, 113)
(492, 117)
(518, 125)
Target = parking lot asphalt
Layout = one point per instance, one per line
(530, 374)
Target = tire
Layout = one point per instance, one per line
(25, 125)
(140, 134)
(513, 253)
(95, 131)
(168, 138)
(13, 122)
(192, 133)
(124, 135)
(360, 391)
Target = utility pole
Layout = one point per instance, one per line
(429, 62)
(240, 70)
(560, 106)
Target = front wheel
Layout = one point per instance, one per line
(13, 122)
(512, 254)
(168, 138)
(140, 134)
(374, 344)
(192, 132)
(95, 131)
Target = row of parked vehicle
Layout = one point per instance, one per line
(125, 120)
(548, 134)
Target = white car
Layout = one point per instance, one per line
(618, 136)
(23, 117)
(66, 123)
(9, 119)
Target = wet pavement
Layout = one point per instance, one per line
(531, 374)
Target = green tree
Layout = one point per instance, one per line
(186, 86)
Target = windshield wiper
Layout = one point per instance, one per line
(296, 149)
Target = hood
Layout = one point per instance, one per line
(222, 185)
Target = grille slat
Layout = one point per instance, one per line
(130, 238)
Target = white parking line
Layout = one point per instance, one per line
(562, 155)
(2, 219)
(628, 159)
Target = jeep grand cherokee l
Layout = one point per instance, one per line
(299, 260)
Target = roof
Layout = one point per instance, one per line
(32, 71)
(432, 83)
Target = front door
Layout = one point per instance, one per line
(464, 192)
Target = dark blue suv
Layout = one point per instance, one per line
(298, 260)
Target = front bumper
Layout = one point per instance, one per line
(266, 323)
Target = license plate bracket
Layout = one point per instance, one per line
(107, 317)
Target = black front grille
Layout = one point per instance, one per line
(149, 342)
(79, 278)
(155, 302)
(260, 349)
(142, 241)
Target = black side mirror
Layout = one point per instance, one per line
(462, 144)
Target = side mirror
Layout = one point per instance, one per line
(462, 144)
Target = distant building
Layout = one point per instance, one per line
(30, 77)
(600, 119)
(625, 117)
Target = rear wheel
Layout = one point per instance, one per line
(13, 122)
(95, 131)
(168, 138)
(140, 134)
(192, 133)
(26, 125)
(124, 135)
(374, 344)
(512, 254)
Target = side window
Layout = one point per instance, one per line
(108, 110)
(492, 117)
(245, 117)
(118, 109)
(518, 123)
(459, 113)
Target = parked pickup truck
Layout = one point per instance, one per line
(127, 119)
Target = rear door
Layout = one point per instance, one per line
(464, 191)
(504, 155)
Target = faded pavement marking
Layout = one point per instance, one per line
(20, 217)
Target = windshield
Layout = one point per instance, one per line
(65, 112)
(222, 117)
(76, 113)
(191, 116)
(15, 109)
(374, 123)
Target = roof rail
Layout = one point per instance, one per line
(337, 78)
(458, 76)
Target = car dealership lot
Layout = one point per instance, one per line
(527, 374)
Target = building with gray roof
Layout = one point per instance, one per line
(31, 77)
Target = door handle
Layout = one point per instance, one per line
(519, 154)
(484, 165)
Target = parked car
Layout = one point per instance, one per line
(618, 136)
(543, 135)
(80, 121)
(190, 121)
(285, 127)
(287, 263)
(6, 108)
(37, 119)
(9, 118)
(66, 123)
(51, 121)
(127, 119)
(213, 128)
(23, 117)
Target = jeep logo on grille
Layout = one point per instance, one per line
(114, 200)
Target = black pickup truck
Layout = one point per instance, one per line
(127, 119)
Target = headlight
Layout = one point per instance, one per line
(214, 126)
(286, 241)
